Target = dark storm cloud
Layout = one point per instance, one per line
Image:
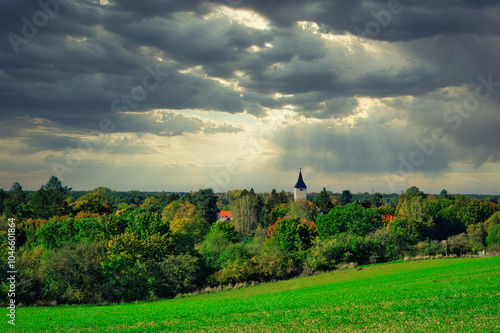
(83, 77)
(83, 72)
(406, 21)
(89, 55)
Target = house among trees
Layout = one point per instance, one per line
(224, 215)
(300, 188)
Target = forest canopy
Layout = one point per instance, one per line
(106, 246)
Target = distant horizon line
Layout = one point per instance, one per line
(260, 192)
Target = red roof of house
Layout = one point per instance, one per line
(225, 213)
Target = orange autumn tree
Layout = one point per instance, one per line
(387, 219)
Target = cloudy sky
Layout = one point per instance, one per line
(180, 95)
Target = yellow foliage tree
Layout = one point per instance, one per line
(185, 218)
(126, 245)
(149, 201)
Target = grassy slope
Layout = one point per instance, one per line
(445, 295)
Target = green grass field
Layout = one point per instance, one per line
(445, 295)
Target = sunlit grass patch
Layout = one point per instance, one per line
(441, 295)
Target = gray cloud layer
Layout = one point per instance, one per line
(72, 69)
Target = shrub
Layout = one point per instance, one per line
(29, 282)
(179, 274)
(476, 234)
(430, 248)
(342, 248)
(233, 253)
(70, 274)
(272, 263)
(124, 281)
(391, 245)
(237, 271)
(325, 254)
(459, 245)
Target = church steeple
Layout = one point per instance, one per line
(300, 188)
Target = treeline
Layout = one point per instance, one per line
(86, 249)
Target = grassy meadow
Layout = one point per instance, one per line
(441, 295)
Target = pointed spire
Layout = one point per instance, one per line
(300, 182)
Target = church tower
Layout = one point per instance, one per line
(300, 188)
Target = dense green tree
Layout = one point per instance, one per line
(55, 233)
(206, 201)
(377, 199)
(366, 203)
(414, 191)
(279, 211)
(493, 220)
(179, 274)
(346, 197)
(73, 273)
(50, 199)
(144, 224)
(185, 218)
(266, 218)
(114, 224)
(134, 197)
(93, 202)
(164, 199)
(234, 253)
(259, 206)
(292, 234)
(415, 208)
(283, 197)
(476, 211)
(227, 229)
(3, 196)
(392, 244)
(170, 198)
(211, 248)
(323, 201)
(152, 203)
(351, 218)
(411, 230)
(476, 234)
(303, 209)
(493, 236)
(444, 194)
(89, 229)
(125, 280)
(15, 202)
(446, 222)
